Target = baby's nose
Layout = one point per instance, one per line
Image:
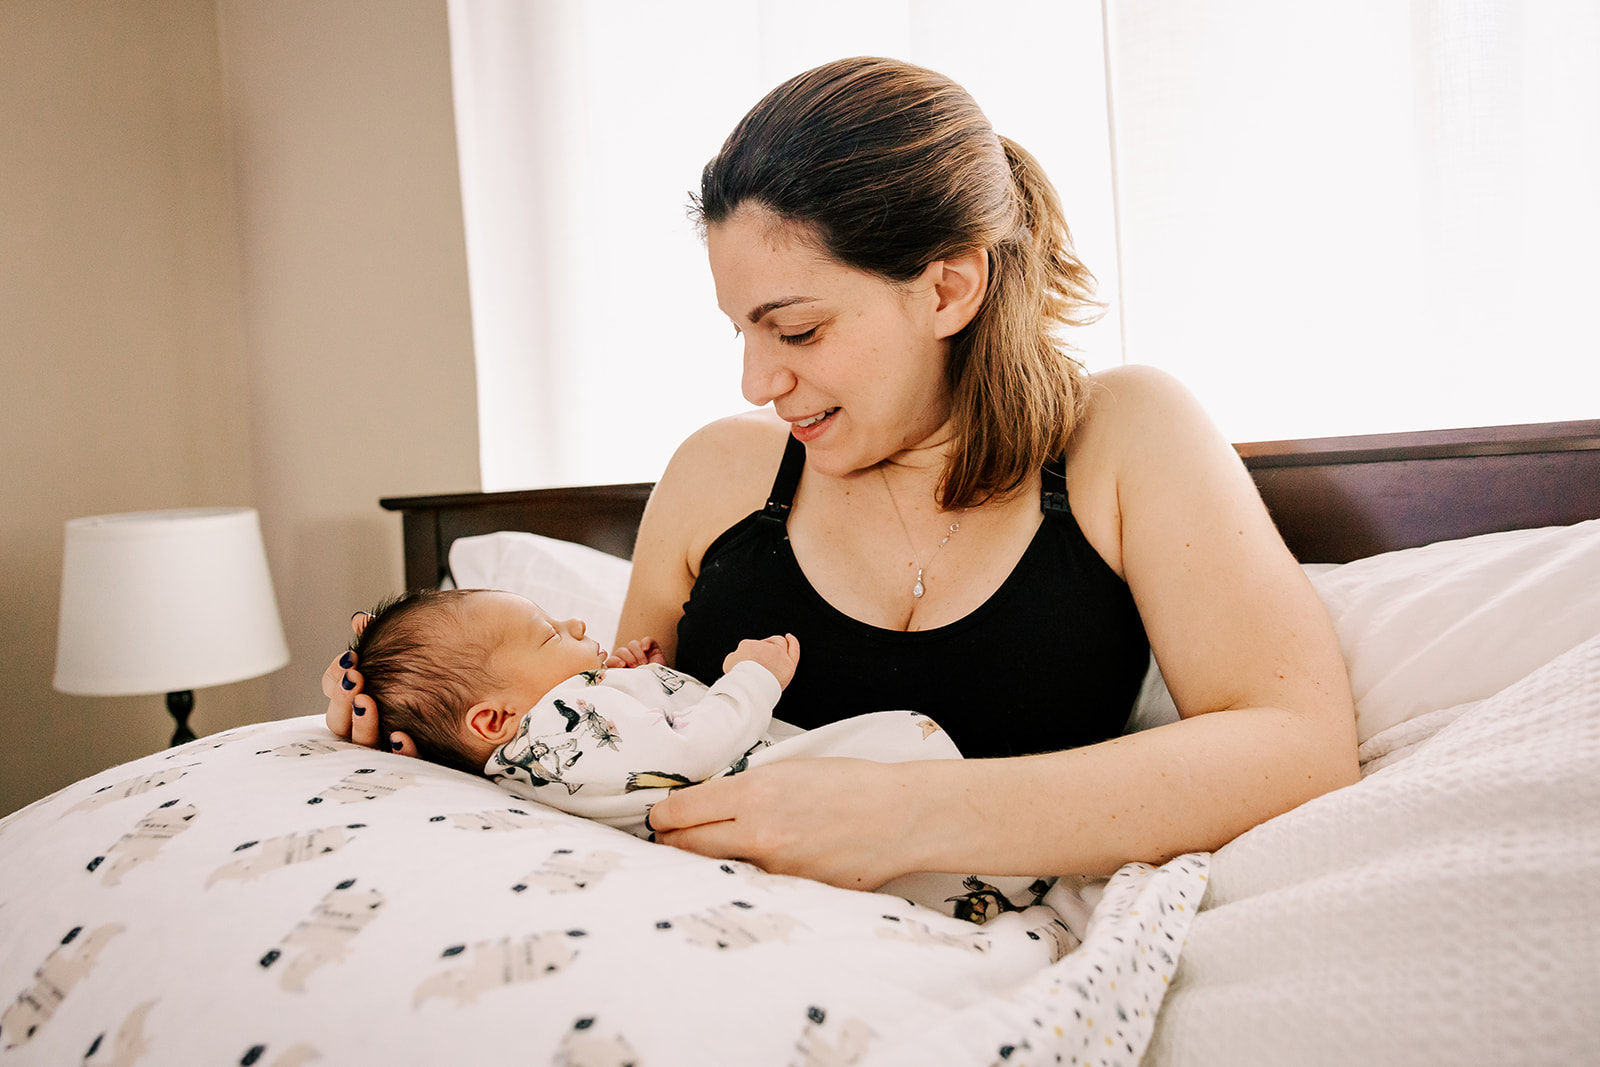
(576, 626)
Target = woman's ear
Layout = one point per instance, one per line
(492, 723)
(960, 284)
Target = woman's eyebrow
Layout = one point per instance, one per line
(757, 314)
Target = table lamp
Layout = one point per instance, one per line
(166, 602)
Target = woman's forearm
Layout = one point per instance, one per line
(1190, 786)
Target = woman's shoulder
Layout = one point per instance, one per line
(737, 453)
(1135, 413)
(756, 428)
(1142, 436)
(721, 473)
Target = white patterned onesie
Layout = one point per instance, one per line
(608, 744)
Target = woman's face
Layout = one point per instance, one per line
(851, 362)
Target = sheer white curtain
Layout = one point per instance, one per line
(1327, 218)
(582, 128)
(1362, 216)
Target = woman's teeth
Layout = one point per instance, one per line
(813, 420)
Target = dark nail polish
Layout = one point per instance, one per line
(395, 745)
(346, 662)
(359, 710)
(347, 683)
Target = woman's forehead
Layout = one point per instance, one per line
(761, 262)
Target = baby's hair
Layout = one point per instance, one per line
(425, 668)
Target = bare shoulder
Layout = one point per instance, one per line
(720, 474)
(1137, 411)
(1138, 427)
(1146, 439)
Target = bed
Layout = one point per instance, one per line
(272, 895)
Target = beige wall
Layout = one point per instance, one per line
(231, 272)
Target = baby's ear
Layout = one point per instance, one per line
(492, 722)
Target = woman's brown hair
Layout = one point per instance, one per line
(891, 167)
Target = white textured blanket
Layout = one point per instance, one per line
(1446, 909)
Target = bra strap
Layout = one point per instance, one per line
(781, 499)
(1053, 488)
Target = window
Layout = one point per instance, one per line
(1324, 218)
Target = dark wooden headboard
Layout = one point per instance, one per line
(1334, 498)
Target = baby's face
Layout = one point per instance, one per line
(533, 653)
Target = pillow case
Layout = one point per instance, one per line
(1432, 627)
(1447, 623)
(567, 580)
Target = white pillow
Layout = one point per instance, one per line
(1447, 623)
(565, 579)
(1432, 627)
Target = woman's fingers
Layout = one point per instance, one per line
(719, 840)
(341, 683)
(400, 744)
(335, 671)
(363, 718)
(695, 805)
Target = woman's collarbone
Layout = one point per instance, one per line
(868, 571)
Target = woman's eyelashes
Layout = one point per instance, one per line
(804, 338)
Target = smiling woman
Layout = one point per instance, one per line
(926, 388)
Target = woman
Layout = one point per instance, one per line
(940, 504)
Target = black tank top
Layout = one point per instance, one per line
(1052, 660)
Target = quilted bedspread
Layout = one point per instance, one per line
(1446, 909)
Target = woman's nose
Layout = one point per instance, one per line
(766, 374)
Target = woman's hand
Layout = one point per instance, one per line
(846, 822)
(352, 713)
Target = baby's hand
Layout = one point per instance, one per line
(779, 655)
(637, 653)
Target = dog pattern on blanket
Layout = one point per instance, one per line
(325, 936)
(491, 964)
(143, 842)
(68, 964)
(127, 1046)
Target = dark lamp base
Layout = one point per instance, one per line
(179, 705)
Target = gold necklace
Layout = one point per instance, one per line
(918, 589)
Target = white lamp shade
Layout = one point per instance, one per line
(162, 601)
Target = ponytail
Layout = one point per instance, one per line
(1016, 392)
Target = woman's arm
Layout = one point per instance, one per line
(718, 476)
(1245, 646)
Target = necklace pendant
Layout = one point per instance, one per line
(917, 590)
